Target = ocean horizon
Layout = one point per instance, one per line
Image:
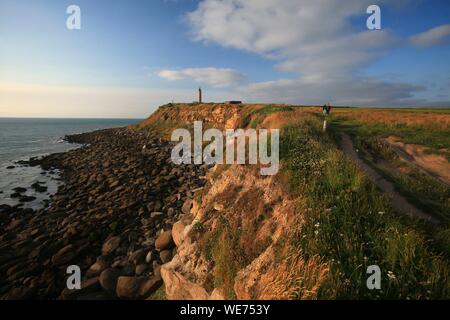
(30, 137)
(23, 138)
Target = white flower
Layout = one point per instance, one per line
(391, 275)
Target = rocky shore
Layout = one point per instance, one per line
(112, 217)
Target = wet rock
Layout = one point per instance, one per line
(38, 188)
(20, 190)
(27, 198)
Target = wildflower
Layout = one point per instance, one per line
(317, 225)
(391, 275)
(381, 212)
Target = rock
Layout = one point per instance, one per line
(64, 256)
(156, 269)
(101, 264)
(127, 269)
(10, 167)
(178, 233)
(164, 241)
(108, 279)
(151, 255)
(218, 206)
(156, 215)
(165, 256)
(138, 256)
(26, 199)
(140, 269)
(135, 288)
(87, 287)
(186, 209)
(22, 293)
(5, 208)
(180, 288)
(13, 224)
(111, 245)
(20, 190)
(36, 186)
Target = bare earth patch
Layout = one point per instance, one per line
(433, 164)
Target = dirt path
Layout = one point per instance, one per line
(399, 203)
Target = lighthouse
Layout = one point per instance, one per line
(199, 95)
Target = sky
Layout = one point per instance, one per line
(129, 57)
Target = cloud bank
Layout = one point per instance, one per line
(315, 40)
(216, 77)
(431, 37)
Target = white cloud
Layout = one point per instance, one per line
(357, 91)
(307, 37)
(431, 37)
(216, 77)
(313, 39)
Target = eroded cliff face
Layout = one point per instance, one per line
(172, 116)
(225, 243)
(233, 241)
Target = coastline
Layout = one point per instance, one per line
(113, 205)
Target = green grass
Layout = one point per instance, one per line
(434, 138)
(222, 247)
(159, 294)
(424, 192)
(351, 225)
(256, 117)
(230, 251)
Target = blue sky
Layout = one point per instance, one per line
(131, 56)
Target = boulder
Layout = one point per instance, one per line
(136, 288)
(87, 287)
(164, 241)
(180, 288)
(101, 264)
(165, 256)
(111, 245)
(64, 256)
(108, 279)
(138, 256)
(186, 208)
(178, 233)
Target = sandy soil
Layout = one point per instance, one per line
(399, 203)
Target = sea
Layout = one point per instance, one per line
(23, 138)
